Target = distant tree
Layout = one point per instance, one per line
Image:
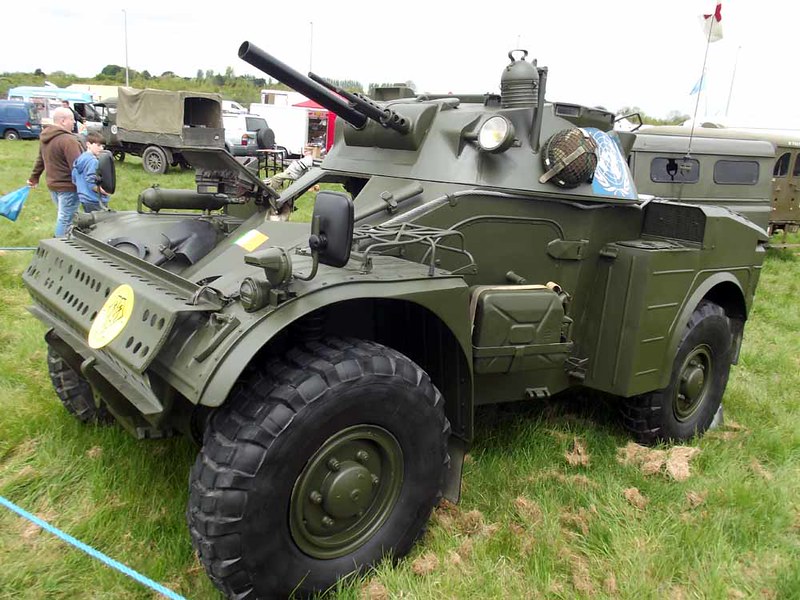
(112, 71)
(229, 76)
(199, 75)
(167, 74)
(209, 74)
(39, 73)
(219, 80)
(674, 117)
(146, 74)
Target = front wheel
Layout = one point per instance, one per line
(74, 391)
(688, 405)
(321, 464)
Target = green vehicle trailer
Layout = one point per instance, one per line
(733, 167)
(484, 248)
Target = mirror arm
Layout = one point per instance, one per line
(314, 242)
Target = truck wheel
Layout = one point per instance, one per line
(11, 134)
(74, 391)
(322, 463)
(154, 160)
(686, 407)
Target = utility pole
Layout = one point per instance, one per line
(127, 79)
(311, 47)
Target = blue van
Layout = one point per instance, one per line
(19, 120)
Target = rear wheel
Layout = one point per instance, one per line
(320, 465)
(11, 134)
(687, 406)
(74, 391)
(154, 160)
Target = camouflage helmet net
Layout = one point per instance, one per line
(570, 158)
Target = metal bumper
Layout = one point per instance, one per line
(70, 280)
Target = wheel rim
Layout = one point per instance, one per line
(346, 491)
(154, 162)
(694, 379)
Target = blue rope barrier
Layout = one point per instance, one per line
(92, 552)
(18, 248)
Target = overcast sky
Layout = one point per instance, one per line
(610, 53)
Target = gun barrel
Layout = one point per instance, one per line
(286, 74)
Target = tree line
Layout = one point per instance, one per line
(241, 88)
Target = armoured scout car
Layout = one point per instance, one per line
(486, 248)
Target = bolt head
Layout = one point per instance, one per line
(315, 497)
(362, 456)
(327, 522)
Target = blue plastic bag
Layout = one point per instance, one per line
(11, 203)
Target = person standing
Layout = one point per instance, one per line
(58, 151)
(84, 175)
(77, 118)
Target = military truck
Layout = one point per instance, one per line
(754, 172)
(159, 124)
(465, 249)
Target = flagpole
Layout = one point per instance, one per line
(702, 77)
(733, 78)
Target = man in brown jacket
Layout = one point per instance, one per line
(58, 149)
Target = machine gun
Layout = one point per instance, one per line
(356, 110)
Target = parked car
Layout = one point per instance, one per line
(245, 134)
(19, 120)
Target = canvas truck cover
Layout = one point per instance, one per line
(169, 118)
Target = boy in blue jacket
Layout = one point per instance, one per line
(84, 175)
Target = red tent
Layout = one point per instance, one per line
(330, 117)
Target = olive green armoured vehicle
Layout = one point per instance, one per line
(484, 248)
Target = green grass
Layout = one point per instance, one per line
(529, 524)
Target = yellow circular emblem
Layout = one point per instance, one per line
(112, 318)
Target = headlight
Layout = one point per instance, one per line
(496, 134)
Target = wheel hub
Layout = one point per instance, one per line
(346, 491)
(693, 383)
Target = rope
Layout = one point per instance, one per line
(91, 551)
(17, 248)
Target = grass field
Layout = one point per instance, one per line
(555, 503)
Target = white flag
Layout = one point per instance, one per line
(712, 24)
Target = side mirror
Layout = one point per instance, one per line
(106, 173)
(332, 228)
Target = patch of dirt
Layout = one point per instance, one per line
(94, 452)
(610, 585)
(471, 523)
(581, 577)
(678, 462)
(454, 559)
(464, 550)
(578, 520)
(374, 590)
(425, 564)
(761, 470)
(528, 510)
(577, 456)
(695, 499)
(635, 498)
(674, 462)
